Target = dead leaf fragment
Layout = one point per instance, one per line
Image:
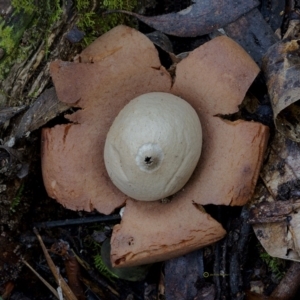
(289, 285)
(45, 108)
(275, 211)
(275, 205)
(253, 33)
(181, 277)
(273, 12)
(281, 67)
(200, 18)
(6, 113)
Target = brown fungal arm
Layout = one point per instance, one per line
(72, 155)
(155, 231)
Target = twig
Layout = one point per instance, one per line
(50, 287)
(59, 279)
(68, 222)
(101, 282)
(72, 266)
(271, 212)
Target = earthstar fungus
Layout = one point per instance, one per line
(116, 68)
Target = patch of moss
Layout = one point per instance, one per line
(35, 19)
(6, 42)
(275, 264)
(28, 6)
(102, 269)
(17, 199)
(50, 10)
(10, 36)
(94, 23)
(95, 248)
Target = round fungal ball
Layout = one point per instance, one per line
(153, 146)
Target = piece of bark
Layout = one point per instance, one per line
(269, 212)
(239, 241)
(182, 276)
(45, 108)
(200, 18)
(273, 12)
(6, 113)
(289, 284)
(230, 256)
(253, 33)
(161, 40)
(207, 292)
(277, 229)
(281, 68)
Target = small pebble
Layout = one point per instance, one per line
(74, 35)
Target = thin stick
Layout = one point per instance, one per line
(59, 279)
(68, 222)
(46, 283)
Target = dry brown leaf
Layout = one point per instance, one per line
(275, 204)
(253, 33)
(202, 17)
(281, 67)
(6, 113)
(45, 108)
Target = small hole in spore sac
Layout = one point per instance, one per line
(148, 160)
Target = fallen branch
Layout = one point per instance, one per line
(289, 284)
(58, 278)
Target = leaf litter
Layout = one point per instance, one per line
(273, 210)
(202, 17)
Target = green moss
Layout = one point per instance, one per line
(17, 199)
(36, 20)
(6, 42)
(94, 24)
(95, 248)
(51, 9)
(10, 36)
(14, 52)
(276, 265)
(101, 267)
(27, 6)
